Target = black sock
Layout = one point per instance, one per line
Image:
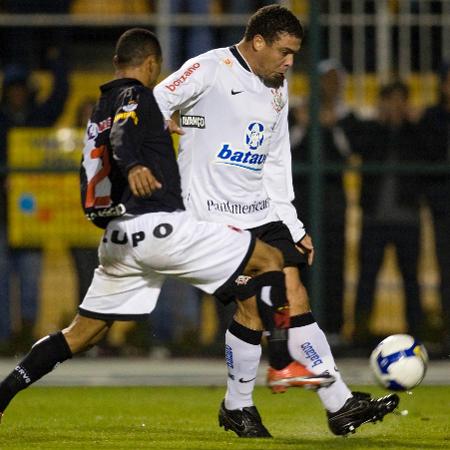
(301, 320)
(273, 309)
(42, 359)
(245, 334)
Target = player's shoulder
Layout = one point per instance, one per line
(138, 94)
(209, 61)
(128, 87)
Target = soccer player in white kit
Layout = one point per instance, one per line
(235, 163)
(131, 187)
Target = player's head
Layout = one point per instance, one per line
(138, 50)
(275, 35)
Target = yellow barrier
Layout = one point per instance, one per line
(44, 203)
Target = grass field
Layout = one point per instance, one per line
(186, 418)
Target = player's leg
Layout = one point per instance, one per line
(243, 350)
(48, 352)
(273, 309)
(242, 356)
(242, 339)
(308, 344)
(85, 332)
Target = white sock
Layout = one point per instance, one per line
(242, 361)
(309, 346)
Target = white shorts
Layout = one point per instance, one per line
(137, 253)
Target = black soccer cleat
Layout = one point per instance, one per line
(360, 409)
(246, 423)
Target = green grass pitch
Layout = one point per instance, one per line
(186, 418)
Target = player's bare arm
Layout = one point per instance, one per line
(142, 182)
(173, 127)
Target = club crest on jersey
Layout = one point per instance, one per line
(250, 159)
(132, 105)
(278, 101)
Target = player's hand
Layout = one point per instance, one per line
(173, 127)
(142, 182)
(305, 247)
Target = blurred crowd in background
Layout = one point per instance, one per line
(365, 213)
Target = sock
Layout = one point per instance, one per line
(309, 346)
(273, 309)
(43, 357)
(242, 354)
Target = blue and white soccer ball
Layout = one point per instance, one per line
(399, 362)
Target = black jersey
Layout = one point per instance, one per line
(126, 129)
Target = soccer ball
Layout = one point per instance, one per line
(399, 362)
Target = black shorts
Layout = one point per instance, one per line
(277, 235)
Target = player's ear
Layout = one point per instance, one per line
(153, 63)
(258, 43)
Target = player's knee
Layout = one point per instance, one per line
(81, 334)
(76, 342)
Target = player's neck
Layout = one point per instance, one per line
(246, 51)
(134, 72)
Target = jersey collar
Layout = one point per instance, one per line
(120, 82)
(237, 54)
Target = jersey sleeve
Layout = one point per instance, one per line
(278, 178)
(183, 88)
(131, 121)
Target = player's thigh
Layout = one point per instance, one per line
(297, 294)
(205, 254)
(82, 332)
(264, 258)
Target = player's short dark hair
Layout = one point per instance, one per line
(135, 45)
(271, 21)
(396, 86)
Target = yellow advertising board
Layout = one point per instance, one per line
(43, 189)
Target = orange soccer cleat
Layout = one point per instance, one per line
(296, 375)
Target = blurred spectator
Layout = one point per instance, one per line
(390, 210)
(340, 130)
(188, 42)
(233, 34)
(29, 45)
(19, 108)
(436, 134)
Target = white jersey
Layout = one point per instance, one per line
(234, 157)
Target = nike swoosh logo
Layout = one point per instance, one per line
(241, 380)
(233, 92)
